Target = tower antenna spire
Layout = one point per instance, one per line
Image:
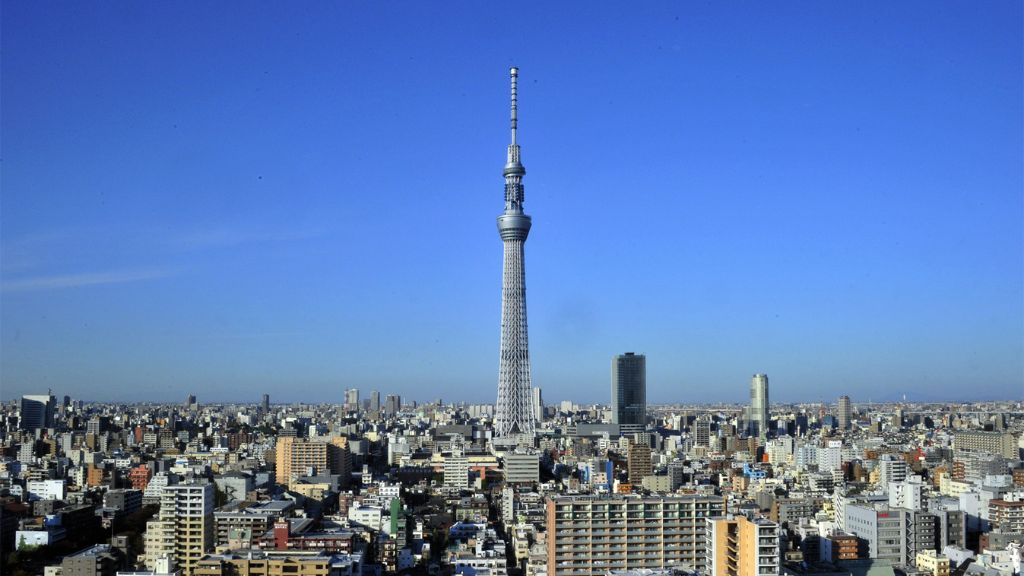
(515, 119)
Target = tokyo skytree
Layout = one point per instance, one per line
(514, 414)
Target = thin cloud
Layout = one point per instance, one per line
(58, 282)
(228, 237)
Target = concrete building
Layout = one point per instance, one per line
(123, 500)
(296, 457)
(882, 529)
(932, 562)
(1002, 443)
(352, 400)
(98, 560)
(638, 461)
(456, 471)
(593, 534)
(522, 468)
(742, 547)
(843, 412)
(183, 529)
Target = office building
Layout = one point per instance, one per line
(392, 404)
(629, 392)
(266, 404)
(352, 400)
(595, 534)
(374, 402)
(891, 469)
(514, 410)
(521, 467)
(702, 431)
(741, 547)
(37, 412)
(538, 405)
(843, 412)
(758, 418)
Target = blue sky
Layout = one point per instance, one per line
(237, 198)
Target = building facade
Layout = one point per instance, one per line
(590, 535)
(629, 392)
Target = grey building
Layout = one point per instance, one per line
(920, 532)
(757, 420)
(125, 501)
(843, 412)
(235, 485)
(880, 527)
(99, 560)
(629, 392)
(522, 468)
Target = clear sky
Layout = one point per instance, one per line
(233, 198)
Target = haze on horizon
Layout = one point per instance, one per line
(235, 199)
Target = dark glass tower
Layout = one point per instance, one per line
(629, 391)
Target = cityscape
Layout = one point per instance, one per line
(208, 423)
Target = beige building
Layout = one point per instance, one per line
(265, 564)
(183, 529)
(589, 535)
(295, 457)
(741, 547)
(931, 561)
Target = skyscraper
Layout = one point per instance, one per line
(266, 404)
(514, 411)
(37, 412)
(352, 400)
(843, 410)
(758, 420)
(629, 392)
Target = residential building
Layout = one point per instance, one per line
(737, 546)
(593, 534)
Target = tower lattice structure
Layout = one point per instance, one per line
(514, 414)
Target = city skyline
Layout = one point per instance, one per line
(831, 196)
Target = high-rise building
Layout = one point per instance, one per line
(183, 529)
(741, 547)
(37, 411)
(758, 418)
(702, 431)
(266, 404)
(514, 411)
(538, 405)
(374, 402)
(597, 534)
(843, 409)
(629, 392)
(638, 459)
(392, 404)
(352, 400)
(295, 457)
